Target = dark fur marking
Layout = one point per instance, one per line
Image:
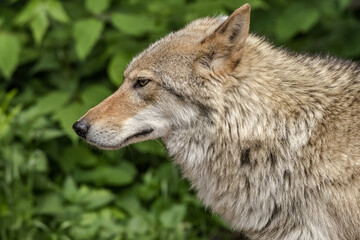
(173, 92)
(287, 177)
(355, 100)
(247, 187)
(226, 110)
(146, 97)
(229, 127)
(274, 214)
(306, 194)
(210, 150)
(236, 63)
(245, 157)
(204, 110)
(272, 159)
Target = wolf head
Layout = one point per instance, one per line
(170, 85)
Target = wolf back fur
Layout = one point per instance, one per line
(269, 139)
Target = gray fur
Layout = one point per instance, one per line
(271, 145)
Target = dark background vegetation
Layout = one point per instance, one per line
(59, 58)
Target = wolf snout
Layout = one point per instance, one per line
(81, 128)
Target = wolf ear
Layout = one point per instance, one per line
(235, 29)
(224, 47)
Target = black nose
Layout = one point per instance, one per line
(81, 127)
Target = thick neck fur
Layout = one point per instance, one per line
(264, 161)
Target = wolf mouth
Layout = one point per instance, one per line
(138, 134)
(112, 147)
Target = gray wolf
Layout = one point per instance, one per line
(270, 140)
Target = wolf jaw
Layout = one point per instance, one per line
(265, 137)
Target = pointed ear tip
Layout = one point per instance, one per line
(244, 8)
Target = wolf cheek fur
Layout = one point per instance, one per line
(270, 140)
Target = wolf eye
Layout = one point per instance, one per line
(141, 82)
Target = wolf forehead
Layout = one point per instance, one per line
(178, 46)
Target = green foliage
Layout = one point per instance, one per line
(133, 24)
(10, 50)
(86, 33)
(97, 6)
(60, 58)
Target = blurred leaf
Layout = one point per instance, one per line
(97, 6)
(328, 8)
(168, 177)
(69, 189)
(344, 3)
(42, 226)
(110, 228)
(38, 161)
(67, 116)
(120, 175)
(76, 155)
(10, 50)
(138, 224)
(96, 198)
(56, 11)
(28, 55)
(16, 157)
(150, 188)
(5, 126)
(30, 11)
(199, 9)
(46, 62)
(116, 68)
(298, 17)
(36, 12)
(86, 33)
(49, 204)
(52, 102)
(48, 104)
(254, 4)
(88, 219)
(133, 24)
(39, 25)
(6, 100)
(47, 134)
(152, 147)
(42, 182)
(83, 233)
(173, 216)
(115, 213)
(2, 20)
(94, 66)
(94, 94)
(352, 46)
(128, 201)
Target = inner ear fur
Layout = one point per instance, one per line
(223, 48)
